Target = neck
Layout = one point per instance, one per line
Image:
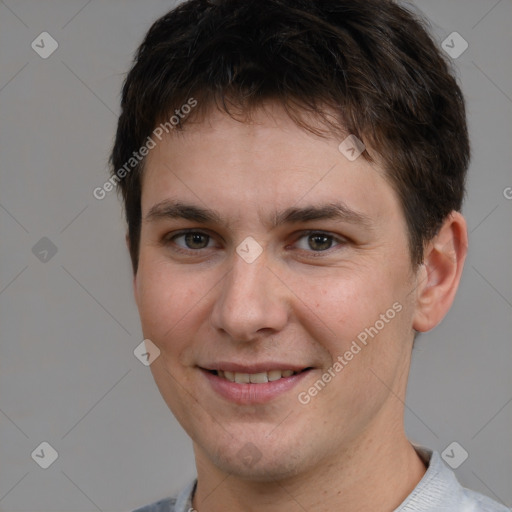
(375, 474)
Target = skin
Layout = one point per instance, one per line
(346, 449)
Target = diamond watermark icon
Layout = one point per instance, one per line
(454, 45)
(146, 352)
(44, 250)
(249, 454)
(351, 147)
(249, 250)
(454, 455)
(44, 45)
(45, 455)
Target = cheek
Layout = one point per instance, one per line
(345, 304)
(365, 315)
(165, 299)
(364, 321)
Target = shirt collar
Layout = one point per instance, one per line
(432, 490)
(184, 498)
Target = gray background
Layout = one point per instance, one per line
(69, 325)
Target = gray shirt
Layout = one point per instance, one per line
(437, 491)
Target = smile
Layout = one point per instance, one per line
(257, 387)
(254, 378)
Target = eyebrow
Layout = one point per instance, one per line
(170, 209)
(332, 211)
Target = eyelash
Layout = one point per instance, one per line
(337, 240)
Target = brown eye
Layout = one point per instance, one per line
(319, 242)
(193, 240)
(196, 240)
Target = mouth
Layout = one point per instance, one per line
(256, 378)
(258, 386)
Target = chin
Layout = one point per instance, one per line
(264, 472)
(266, 465)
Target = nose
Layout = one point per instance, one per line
(252, 302)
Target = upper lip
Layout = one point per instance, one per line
(227, 366)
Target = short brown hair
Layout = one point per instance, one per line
(372, 62)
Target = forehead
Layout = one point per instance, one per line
(262, 165)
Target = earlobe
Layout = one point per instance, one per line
(440, 273)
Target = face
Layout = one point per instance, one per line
(270, 259)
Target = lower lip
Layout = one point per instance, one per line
(246, 394)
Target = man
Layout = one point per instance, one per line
(293, 173)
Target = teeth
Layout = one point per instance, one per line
(255, 378)
(229, 375)
(259, 378)
(274, 375)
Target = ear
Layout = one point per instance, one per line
(134, 282)
(440, 273)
